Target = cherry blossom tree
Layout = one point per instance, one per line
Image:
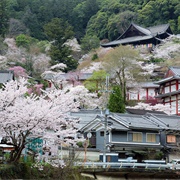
(157, 107)
(25, 117)
(84, 97)
(18, 71)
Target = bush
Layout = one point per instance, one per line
(25, 41)
(156, 60)
(94, 57)
(43, 45)
(26, 171)
(22, 40)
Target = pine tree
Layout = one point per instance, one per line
(116, 102)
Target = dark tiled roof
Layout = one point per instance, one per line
(6, 76)
(168, 94)
(167, 79)
(142, 111)
(127, 40)
(147, 34)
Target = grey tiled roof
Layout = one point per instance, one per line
(128, 40)
(171, 122)
(159, 29)
(6, 76)
(148, 84)
(85, 116)
(175, 70)
(66, 76)
(142, 111)
(125, 122)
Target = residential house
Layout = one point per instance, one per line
(139, 136)
(169, 90)
(139, 36)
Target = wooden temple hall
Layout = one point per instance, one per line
(139, 36)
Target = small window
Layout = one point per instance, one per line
(137, 137)
(171, 139)
(151, 137)
(102, 133)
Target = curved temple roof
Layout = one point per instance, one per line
(136, 34)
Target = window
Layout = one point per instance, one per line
(102, 133)
(171, 139)
(137, 137)
(151, 137)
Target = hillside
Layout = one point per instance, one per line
(157, 62)
(164, 55)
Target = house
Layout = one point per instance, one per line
(169, 90)
(6, 75)
(139, 136)
(137, 35)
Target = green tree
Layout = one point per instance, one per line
(96, 82)
(179, 24)
(22, 40)
(116, 101)
(97, 25)
(4, 17)
(121, 65)
(59, 31)
(82, 14)
(117, 24)
(89, 42)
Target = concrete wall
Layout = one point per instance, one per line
(81, 155)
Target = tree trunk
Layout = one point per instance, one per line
(16, 154)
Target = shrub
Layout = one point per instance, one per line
(156, 60)
(94, 57)
(22, 40)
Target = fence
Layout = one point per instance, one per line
(126, 165)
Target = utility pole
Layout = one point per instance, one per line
(105, 119)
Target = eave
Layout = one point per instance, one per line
(127, 40)
(168, 94)
(167, 80)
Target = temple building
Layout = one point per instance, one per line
(169, 90)
(136, 35)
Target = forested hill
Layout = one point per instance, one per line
(106, 19)
(38, 24)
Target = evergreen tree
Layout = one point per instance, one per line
(116, 102)
(4, 17)
(59, 31)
